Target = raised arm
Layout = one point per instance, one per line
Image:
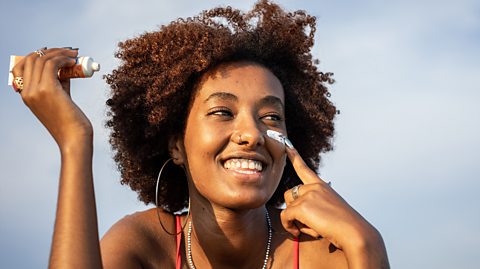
(75, 239)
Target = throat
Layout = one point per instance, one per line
(239, 248)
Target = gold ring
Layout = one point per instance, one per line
(18, 84)
(40, 52)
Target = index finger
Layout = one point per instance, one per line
(306, 175)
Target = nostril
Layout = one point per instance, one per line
(248, 136)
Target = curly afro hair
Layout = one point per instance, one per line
(153, 87)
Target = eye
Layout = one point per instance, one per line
(272, 117)
(220, 112)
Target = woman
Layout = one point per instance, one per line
(191, 109)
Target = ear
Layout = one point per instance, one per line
(176, 150)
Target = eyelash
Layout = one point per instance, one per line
(226, 112)
(275, 117)
(221, 111)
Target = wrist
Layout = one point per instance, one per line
(78, 145)
(367, 250)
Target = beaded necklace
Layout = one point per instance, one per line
(267, 252)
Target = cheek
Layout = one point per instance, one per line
(279, 169)
(277, 151)
(280, 160)
(204, 140)
(202, 143)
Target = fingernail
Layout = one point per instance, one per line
(75, 49)
(288, 143)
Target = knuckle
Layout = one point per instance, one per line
(30, 58)
(315, 194)
(39, 64)
(41, 60)
(304, 209)
(286, 213)
(316, 187)
(33, 95)
(311, 195)
(28, 98)
(50, 63)
(44, 90)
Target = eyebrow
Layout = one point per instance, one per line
(271, 100)
(267, 100)
(225, 96)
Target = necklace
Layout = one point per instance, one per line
(267, 252)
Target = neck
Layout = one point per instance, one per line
(224, 238)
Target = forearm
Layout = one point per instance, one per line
(75, 239)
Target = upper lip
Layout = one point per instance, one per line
(244, 155)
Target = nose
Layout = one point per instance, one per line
(247, 132)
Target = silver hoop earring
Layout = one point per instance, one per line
(156, 202)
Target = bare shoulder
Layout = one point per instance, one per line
(138, 241)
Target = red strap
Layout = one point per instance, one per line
(296, 253)
(179, 240)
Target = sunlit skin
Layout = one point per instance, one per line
(230, 114)
(228, 120)
(234, 105)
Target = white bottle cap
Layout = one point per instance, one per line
(95, 66)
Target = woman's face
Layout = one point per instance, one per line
(231, 161)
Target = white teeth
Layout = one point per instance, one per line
(243, 164)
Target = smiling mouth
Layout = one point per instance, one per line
(244, 166)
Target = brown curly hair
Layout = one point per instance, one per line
(155, 82)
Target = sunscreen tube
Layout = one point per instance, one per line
(84, 68)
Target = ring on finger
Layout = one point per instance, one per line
(40, 52)
(295, 192)
(18, 84)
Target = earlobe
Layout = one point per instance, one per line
(176, 150)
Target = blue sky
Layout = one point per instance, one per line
(407, 147)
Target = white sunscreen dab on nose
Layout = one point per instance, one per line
(84, 67)
(276, 136)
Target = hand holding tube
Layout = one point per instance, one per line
(48, 97)
(84, 67)
(75, 241)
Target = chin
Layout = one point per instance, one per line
(244, 202)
